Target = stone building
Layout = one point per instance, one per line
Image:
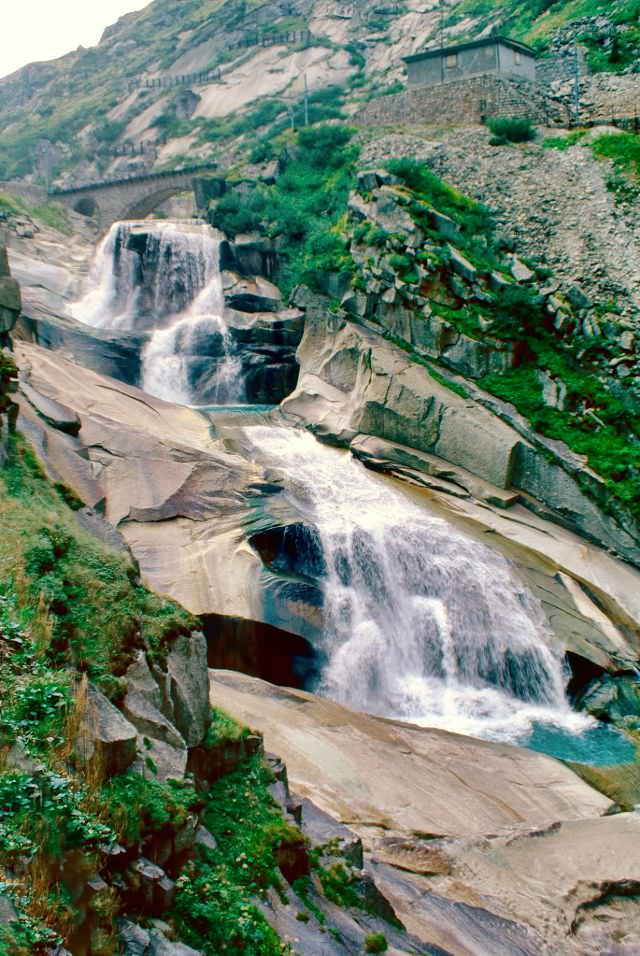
(496, 55)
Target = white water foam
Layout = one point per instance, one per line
(422, 622)
(186, 257)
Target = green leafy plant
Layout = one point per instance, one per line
(375, 943)
(511, 130)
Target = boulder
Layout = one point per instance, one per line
(149, 721)
(188, 687)
(159, 945)
(10, 294)
(250, 295)
(152, 892)
(461, 265)
(444, 225)
(612, 698)
(521, 272)
(134, 939)
(482, 446)
(105, 735)
(161, 761)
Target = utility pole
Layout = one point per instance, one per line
(306, 101)
(442, 2)
(576, 90)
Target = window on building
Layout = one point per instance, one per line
(451, 61)
(518, 58)
(489, 52)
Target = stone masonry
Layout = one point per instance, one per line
(465, 101)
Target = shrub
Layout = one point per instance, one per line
(511, 130)
(375, 943)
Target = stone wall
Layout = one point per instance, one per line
(607, 97)
(32, 194)
(464, 101)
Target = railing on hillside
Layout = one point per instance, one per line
(201, 78)
(274, 39)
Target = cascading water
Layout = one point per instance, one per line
(165, 276)
(422, 622)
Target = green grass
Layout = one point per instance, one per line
(623, 149)
(82, 604)
(564, 142)
(223, 728)
(215, 905)
(51, 214)
(11, 206)
(609, 448)
(137, 807)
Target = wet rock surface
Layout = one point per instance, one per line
(503, 867)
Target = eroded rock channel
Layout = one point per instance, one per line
(409, 611)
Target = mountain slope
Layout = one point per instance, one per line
(79, 114)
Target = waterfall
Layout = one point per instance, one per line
(164, 277)
(422, 622)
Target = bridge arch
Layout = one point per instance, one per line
(134, 197)
(87, 206)
(142, 207)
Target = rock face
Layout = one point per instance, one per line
(169, 708)
(105, 735)
(10, 299)
(473, 858)
(471, 787)
(202, 520)
(153, 471)
(353, 382)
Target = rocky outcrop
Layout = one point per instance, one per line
(169, 707)
(105, 737)
(10, 298)
(205, 523)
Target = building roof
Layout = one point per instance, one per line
(472, 44)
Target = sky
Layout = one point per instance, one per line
(44, 29)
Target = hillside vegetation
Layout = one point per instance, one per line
(79, 110)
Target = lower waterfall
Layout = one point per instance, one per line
(164, 277)
(422, 622)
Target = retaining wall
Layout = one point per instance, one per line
(464, 101)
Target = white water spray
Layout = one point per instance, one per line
(422, 622)
(172, 286)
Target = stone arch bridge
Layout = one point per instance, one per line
(133, 197)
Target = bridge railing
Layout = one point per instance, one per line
(127, 180)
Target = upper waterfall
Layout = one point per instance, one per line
(163, 277)
(422, 622)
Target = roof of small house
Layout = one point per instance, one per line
(472, 44)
